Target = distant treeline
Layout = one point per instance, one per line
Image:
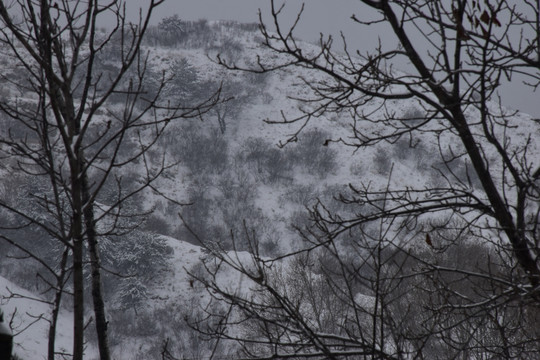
(173, 31)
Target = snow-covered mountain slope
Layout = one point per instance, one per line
(230, 171)
(170, 300)
(27, 313)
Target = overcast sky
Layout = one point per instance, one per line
(326, 16)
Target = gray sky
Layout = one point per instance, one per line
(328, 17)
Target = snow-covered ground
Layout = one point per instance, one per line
(28, 315)
(175, 289)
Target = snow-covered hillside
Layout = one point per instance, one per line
(27, 313)
(229, 175)
(243, 176)
(174, 297)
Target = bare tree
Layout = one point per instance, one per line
(468, 53)
(373, 293)
(407, 249)
(63, 127)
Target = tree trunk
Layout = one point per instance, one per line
(56, 306)
(78, 251)
(78, 300)
(95, 264)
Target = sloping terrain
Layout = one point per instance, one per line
(231, 172)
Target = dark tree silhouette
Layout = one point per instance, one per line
(60, 128)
